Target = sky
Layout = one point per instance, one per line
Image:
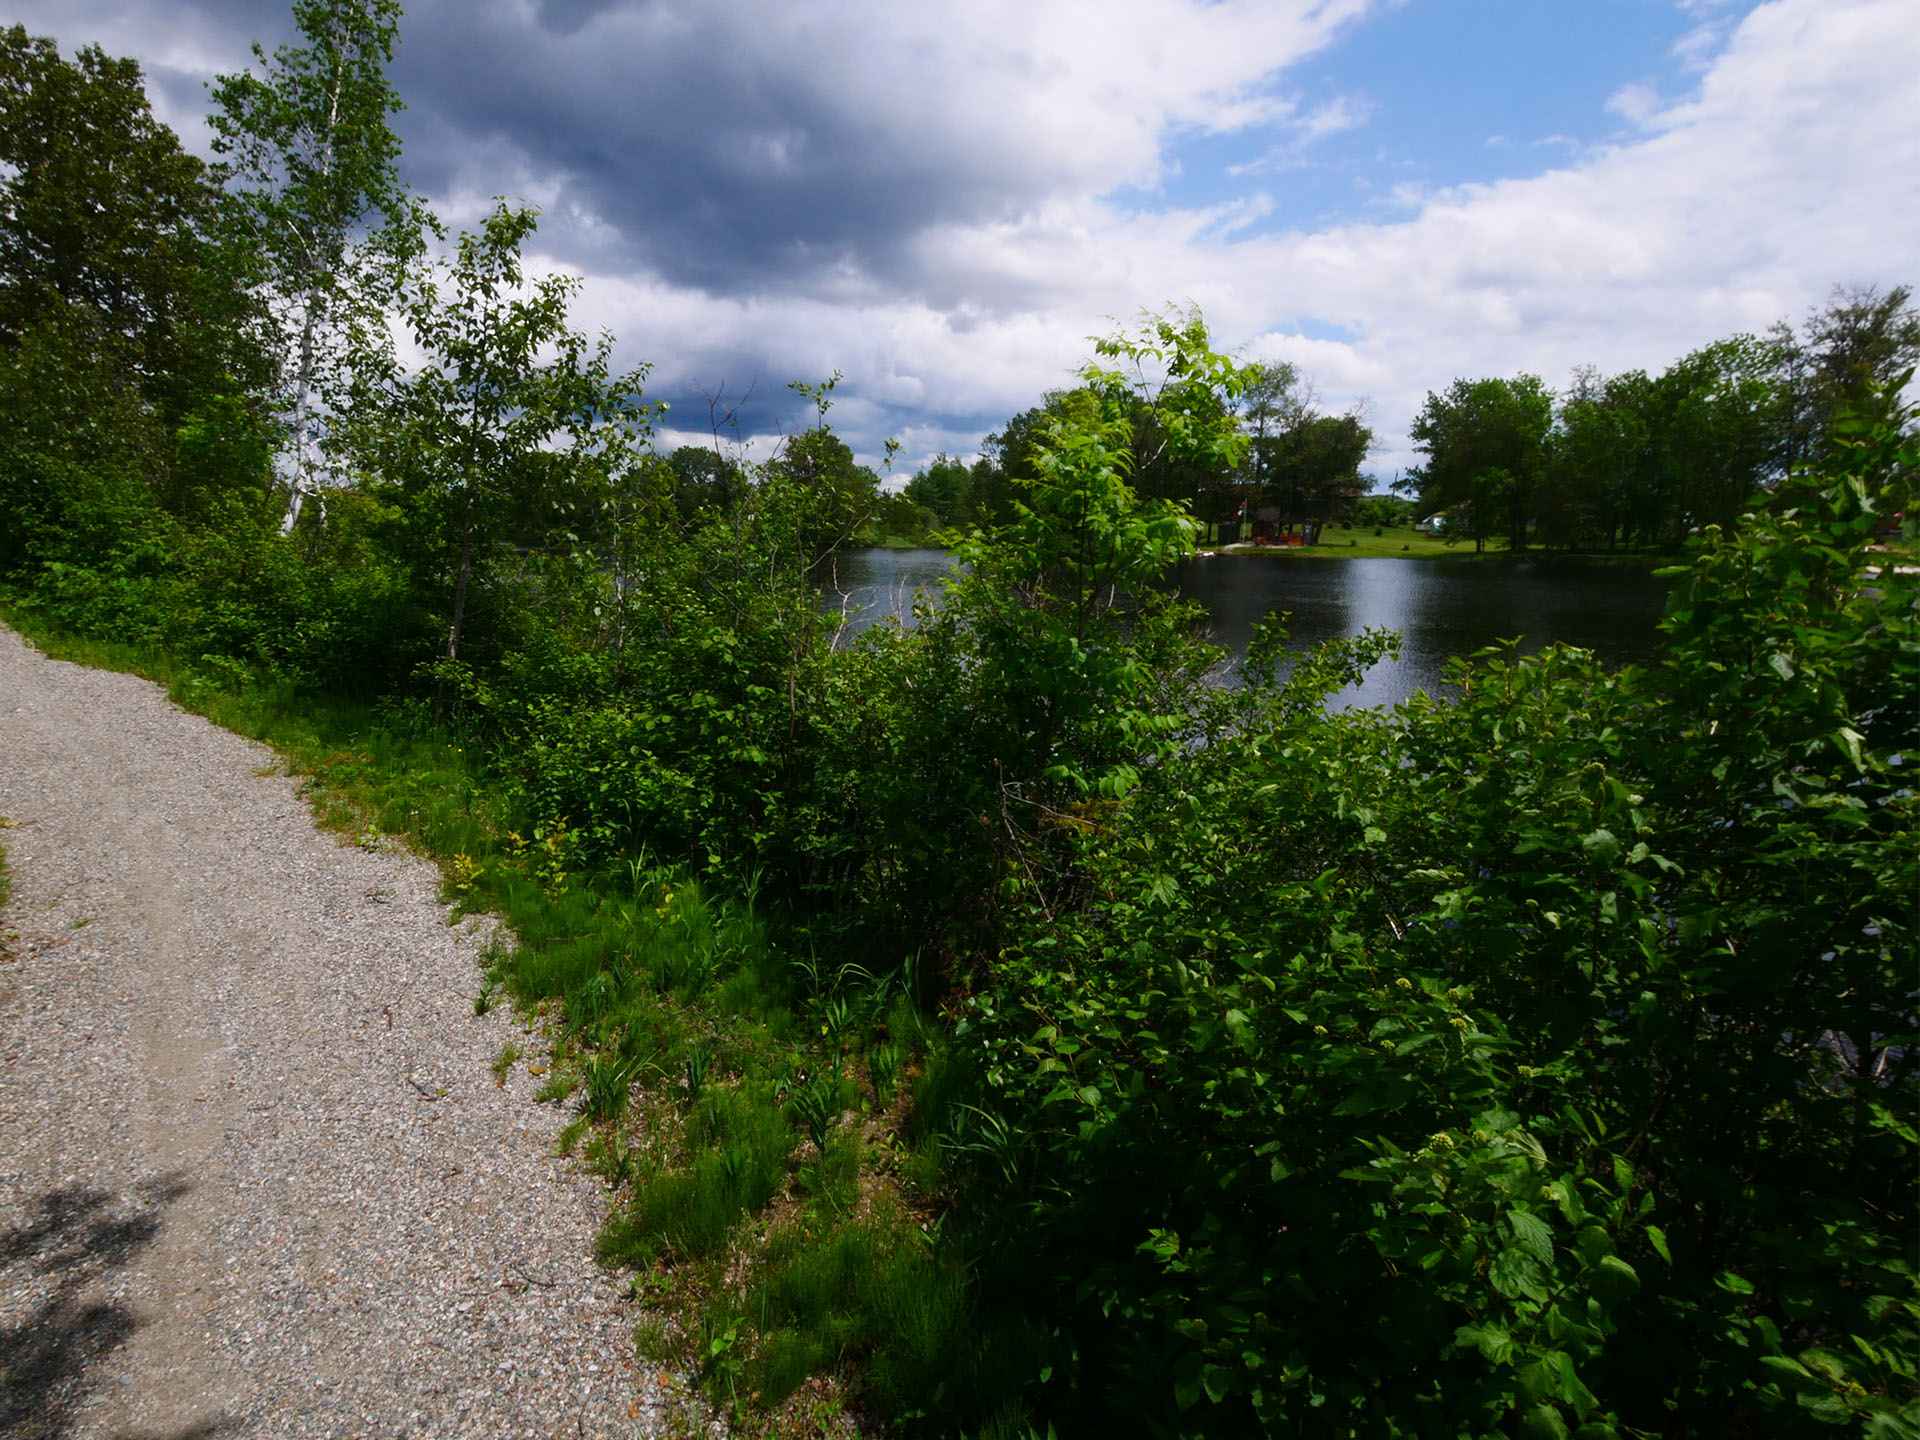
(944, 201)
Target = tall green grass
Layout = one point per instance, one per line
(873, 1291)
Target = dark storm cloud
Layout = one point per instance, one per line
(563, 17)
(831, 151)
(674, 143)
(722, 145)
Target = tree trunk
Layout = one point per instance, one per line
(460, 584)
(302, 402)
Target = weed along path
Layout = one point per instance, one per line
(256, 1174)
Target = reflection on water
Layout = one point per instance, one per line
(1441, 608)
(868, 586)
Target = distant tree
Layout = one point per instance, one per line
(1299, 460)
(1312, 471)
(1848, 355)
(946, 488)
(1640, 495)
(1717, 426)
(825, 495)
(1486, 447)
(1009, 461)
(314, 170)
(1382, 512)
(1277, 398)
(898, 516)
(1595, 486)
(705, 480)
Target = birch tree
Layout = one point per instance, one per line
(312, 165)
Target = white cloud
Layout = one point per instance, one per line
(927, 180)
(1636, 103)
(1787, 170)
(1306, 129)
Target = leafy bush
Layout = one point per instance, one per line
(1535, 1060)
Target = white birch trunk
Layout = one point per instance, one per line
(302, 422)
(303, 485)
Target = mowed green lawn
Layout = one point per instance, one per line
(1363, 543)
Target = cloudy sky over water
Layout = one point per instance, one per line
(943, 199)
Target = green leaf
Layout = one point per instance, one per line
(1532, 1232)
(1186, 1380)
(1614, 1279)
(1657, 1238)
(1516, 1274)
(1492, 1340)
(1848, 739)
(1217, 1381)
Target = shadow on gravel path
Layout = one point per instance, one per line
(66, 1255)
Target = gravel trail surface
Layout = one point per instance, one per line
(256, 1175)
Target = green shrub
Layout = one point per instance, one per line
(1515, 1063)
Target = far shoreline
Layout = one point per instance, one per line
(1392, 546)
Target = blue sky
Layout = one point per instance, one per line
(943, 201)
(1431, 94)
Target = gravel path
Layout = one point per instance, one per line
(256, 1176)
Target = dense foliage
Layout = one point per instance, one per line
(1544, 1054)
(1094, 1044)
(1299, 467)
(1643, 461)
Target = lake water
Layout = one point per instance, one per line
(1441, 608)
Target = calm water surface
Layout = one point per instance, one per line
(1441, 608)
(869, 586)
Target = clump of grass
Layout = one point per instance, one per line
(608, 1081)
(570, 1134)
(654, 1341)
(736, 1148)
(504, 1062)
(612, 1156)
(883, 1069)
(870, 1289)
(699, 1067)
(559, 1085)
(815, 1103)
(833, 1181)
